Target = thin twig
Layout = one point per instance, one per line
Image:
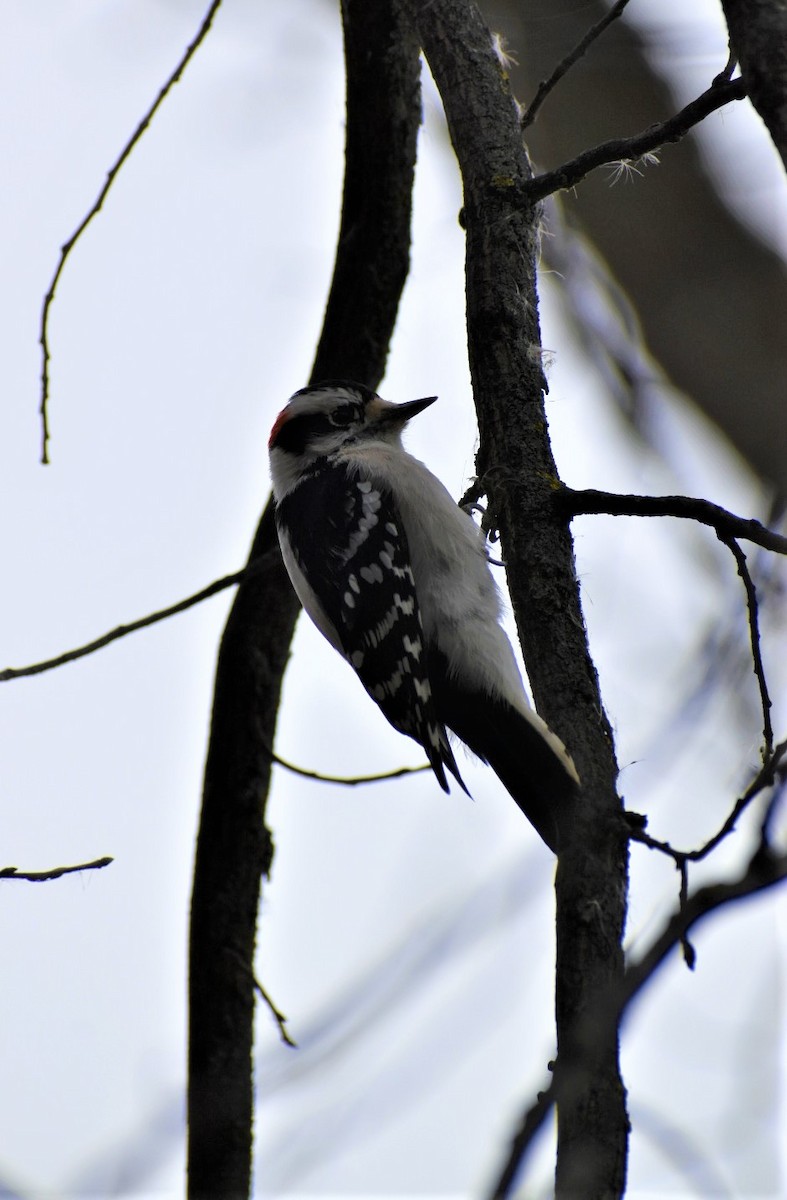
(55, 872)
(765, 777)
(277, 1015)
(633, 148)
(345, 780)
(120, 631)
(68, 246)
(752, 608)
(219, 585)
(763, 871)
(726, 524)
(546, 85)
(523, 1139)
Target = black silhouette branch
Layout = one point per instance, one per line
(523, 1139)
(506, 368)
(276, 1013)
(269, 559)
(234, 848)
(728, 528)
(346, 780)
(630, 149)
(581, 48)
(763, 871)
(575, 503)
(766, 777)
(121, 631)
(54, 872)
(752, 608)
(68, 246)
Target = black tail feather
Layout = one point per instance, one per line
(523, 760)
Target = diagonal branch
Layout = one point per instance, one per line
(720, 92)
(121, 631)
(752, 609)
(68, 246)
(581, 48)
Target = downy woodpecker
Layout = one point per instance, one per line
(394, 574)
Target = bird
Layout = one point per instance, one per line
(395, 575)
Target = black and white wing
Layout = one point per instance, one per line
(346, 552)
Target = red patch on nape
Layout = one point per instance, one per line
(283, 416)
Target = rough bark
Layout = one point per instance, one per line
(758, 38)
(234, 847)
(517, 469)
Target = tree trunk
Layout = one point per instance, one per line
(517, 470)
(234, 848)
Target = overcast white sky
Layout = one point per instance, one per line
(406, 934)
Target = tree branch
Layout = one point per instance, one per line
(575, 503)
(68, 246)
(581, 48)
(765, 777)
(518, 471)
(234, 848)
(347, 780)
(752, 609)
(763, 871)
(54, 872)
(121, 631)
(276, 1013)
(720, 92)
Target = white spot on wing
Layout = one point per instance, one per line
(371, 574)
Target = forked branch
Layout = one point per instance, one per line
(721, 92)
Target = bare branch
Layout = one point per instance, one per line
(234, 847)
(720, 92)
(582, 46)
(726, 524)
(54, 872)
(763, 871)
(506, 366)
(68, 246)
(728, 529)
(277, 1015)
(523, 1139)
(752, 609)
(346, 780)
(765, 778)
(49, 664)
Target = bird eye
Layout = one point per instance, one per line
(344, 416)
